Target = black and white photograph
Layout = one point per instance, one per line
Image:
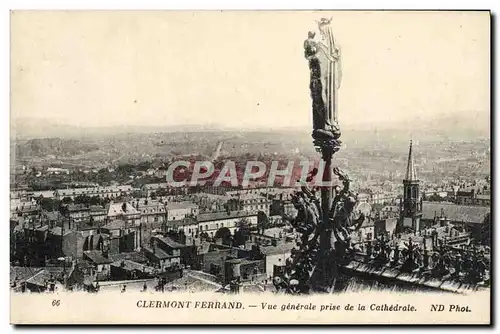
(250, 167)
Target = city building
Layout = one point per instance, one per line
(77, 214)
(466, 216)
(124, 211)
(148, 189)
(163, 252)
(473, 196)
(249, 202)
(180, 210)
(110, 192)
(211, 222)
(276, 256)
(152, 211)
(411, 205)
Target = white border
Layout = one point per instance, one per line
(8, 5)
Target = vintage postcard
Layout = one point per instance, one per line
(250, 167)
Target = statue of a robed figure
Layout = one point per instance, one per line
(325, 75)
(326, 222)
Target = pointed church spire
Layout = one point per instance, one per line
(411, 174)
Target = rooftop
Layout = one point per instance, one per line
(212, 216)
(169, 242)
(251, 196)
(153, 186)
(132, 265)
(124, 208)
(115, 225)
(242, 261)
(132, 256)
(483, 196)
(181, 205)
(76, 207)
(97, 257)
(54, 215)
(411, 174)
(183, 222)
(280, 249)
(274, 232)
(454, 212)
(158, 253)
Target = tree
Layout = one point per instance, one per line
(242, 232)
(144, 165)
(225, 234)
(434, 198)
(83, 199)
(67, 200)
(240, 236)
(49, 204)
(244, 223)
(161, 192)
(136, 194)
(262, 221)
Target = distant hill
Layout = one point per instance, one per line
(28, 128)
(52, 146)
(443, 127)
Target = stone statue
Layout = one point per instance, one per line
(342, 212)
(324, 65)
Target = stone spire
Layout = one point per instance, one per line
(411, 174)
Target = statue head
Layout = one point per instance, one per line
(325, 21)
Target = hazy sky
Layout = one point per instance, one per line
(243, 68)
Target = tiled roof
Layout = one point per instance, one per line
(132, 256)
(23, 273)
(116, 209)
(455, 213)
(212, 216)
(131, 265)
(158, 253)
(77, 207)
(154, 186)
(181, 205)
(97, 208)
(204, 248)
(183, 222)
(114, 225)
(483, 196)
(44, 275)
(54, 215)
(280, 249)
(169, 242)
(97, 257)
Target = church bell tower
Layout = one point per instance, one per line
(411, 206)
